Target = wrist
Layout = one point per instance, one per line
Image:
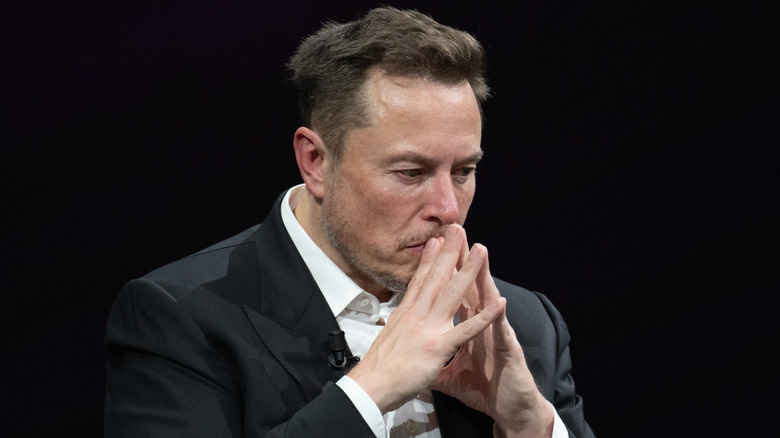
(382, 393)
(537, 421)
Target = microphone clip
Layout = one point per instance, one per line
(339, 355)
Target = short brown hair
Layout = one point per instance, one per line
(331, 66)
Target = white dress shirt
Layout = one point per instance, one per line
(361, 316)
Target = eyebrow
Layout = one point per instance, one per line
(414, 157)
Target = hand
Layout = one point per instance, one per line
(489, 373)
(419, 336)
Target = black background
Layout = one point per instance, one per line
(630, 174)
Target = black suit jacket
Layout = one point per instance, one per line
(232, 342)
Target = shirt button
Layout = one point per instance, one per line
(411, 428)
(364, 302)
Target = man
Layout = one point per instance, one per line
(235, 340)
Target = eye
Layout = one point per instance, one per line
(410, 173)
(462, 175)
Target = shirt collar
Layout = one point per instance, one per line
(339, 290)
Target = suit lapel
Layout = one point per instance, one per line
(292, 319)
(289, 312)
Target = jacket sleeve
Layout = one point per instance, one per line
(173, 373)
(566, 402)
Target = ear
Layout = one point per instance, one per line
(313, 160)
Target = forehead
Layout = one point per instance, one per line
(415, 116)
(406, 97)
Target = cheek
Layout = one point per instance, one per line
(386, 201)
(391, 215)
(464, 201)
(376, 211)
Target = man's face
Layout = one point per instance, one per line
(401, 180)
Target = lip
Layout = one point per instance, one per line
(416, 248)
(420, 244)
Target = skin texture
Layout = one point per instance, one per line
(390, 215)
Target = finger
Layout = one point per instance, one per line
(441, 270)
(504, 337)
(485, 283)
(472, 295)
(459, 265)
(430, 251)
(473, 298)
(464, 252)
(467, 330)
(453, 295)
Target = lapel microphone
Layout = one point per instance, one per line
(339, 354)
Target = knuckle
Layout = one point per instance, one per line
(467, 328)
(435, 275)
(430, 346)
(451, 291)
(414, 282)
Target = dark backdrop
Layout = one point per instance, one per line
(630, 174)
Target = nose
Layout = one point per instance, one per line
(442, 205)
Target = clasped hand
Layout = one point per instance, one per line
(478, 361)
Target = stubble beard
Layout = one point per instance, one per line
(335, 232)
(336, 228)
